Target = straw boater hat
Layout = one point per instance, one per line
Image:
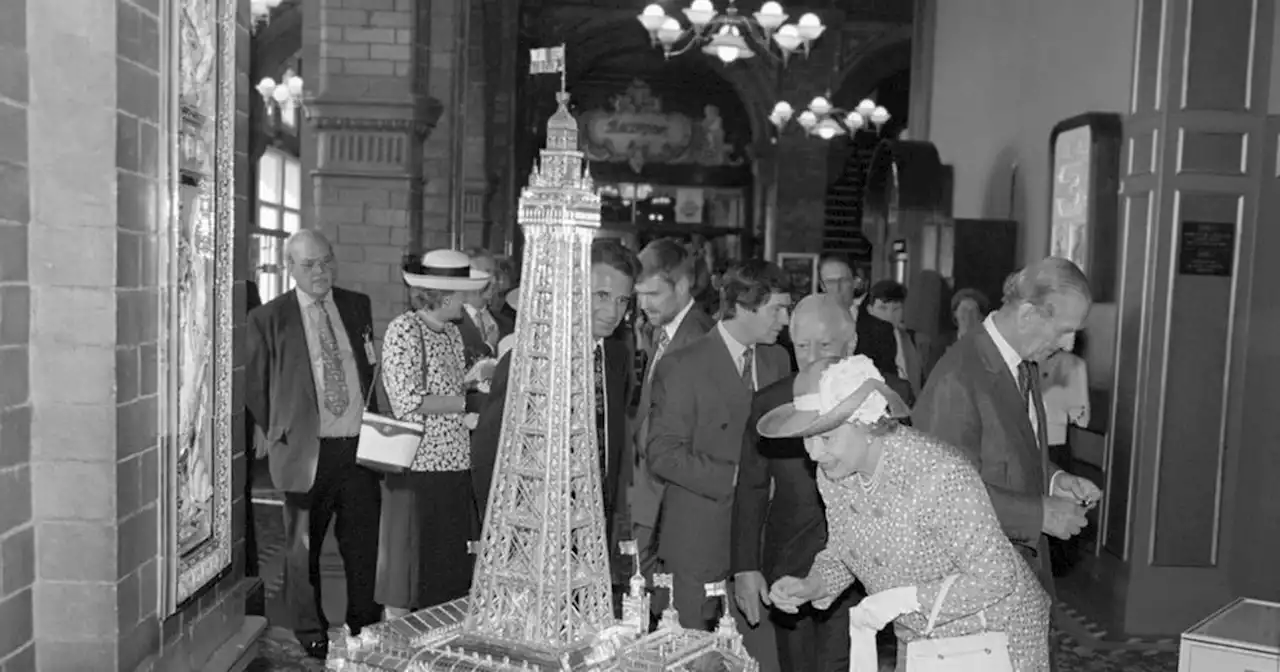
(513, 299)
(445, 270)
(832, 392)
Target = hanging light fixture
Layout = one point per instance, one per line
(285, 95)
(824, 120)
(731, 36)
(260, 11)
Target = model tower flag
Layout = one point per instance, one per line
(542, 577)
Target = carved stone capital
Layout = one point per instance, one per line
(370, 137)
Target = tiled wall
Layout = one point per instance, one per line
(17, 535)
(80, 557)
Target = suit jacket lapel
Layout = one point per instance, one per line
(1005, 389)
(295, 332)
(352, 323)
(725, 369)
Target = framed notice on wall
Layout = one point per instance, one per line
(1207, 249)
(1084, 186)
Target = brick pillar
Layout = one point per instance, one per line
(1199, 158)
(17, 531)
(366, 122)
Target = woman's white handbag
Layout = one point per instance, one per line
(983, 652)
(386, 444)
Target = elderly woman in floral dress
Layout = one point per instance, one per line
(909, 517)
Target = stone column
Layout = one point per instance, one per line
(1197, 160)
(799, 163)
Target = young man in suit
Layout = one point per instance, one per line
(613, 272)
(983, 397)
(664, 291)
(480, 331)
(309, 371)
(701, 404)
(793, 521)
(892, 348)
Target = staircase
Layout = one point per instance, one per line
(842, 229)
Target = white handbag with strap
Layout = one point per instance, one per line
(984, 652)
(386, 444)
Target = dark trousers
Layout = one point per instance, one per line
(350, 496)
(812, 639)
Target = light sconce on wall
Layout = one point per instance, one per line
(285, 95)
(260, 11)
(822, 119)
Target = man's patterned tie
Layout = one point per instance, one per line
(660, 341)
(748, 369)
(601, 434)
(336, 398)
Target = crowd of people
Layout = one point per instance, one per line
(838, 472)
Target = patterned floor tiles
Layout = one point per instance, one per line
(1082, 648)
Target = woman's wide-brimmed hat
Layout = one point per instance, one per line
(856, 390)
(445, 270)
(513, 299)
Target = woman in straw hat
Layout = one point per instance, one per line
(428, 512)
(909, 517)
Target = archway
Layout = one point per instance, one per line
(882, 73)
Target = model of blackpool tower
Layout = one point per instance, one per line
(541, 595)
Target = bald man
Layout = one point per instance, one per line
(309, 370)
(794, 525)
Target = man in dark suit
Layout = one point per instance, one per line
(701, 404)
(983, 397)
(883, 337)
(308, 377)
(793, 521)
(664, 291)
(252, 299)
(504, 280)
(613, 272)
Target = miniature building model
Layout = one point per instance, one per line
(541, 598)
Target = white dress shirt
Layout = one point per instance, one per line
(736, 351)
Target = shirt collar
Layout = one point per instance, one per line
(305, 300)
(736, 348)
(1010, 356)
(674, 325)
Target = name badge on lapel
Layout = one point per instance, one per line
(369, 352)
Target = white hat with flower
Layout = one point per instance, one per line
(832, 392)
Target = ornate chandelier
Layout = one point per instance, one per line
(285, 94)
(822, 119)
(730, 36)
(260, 11)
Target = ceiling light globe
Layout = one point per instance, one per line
(866, 107)
(807, 119)
(810, 27)
(670, 31)
(820, 106)
(652, 18)
(266, 86)
(770, 16)
(281, 94)
(879, 115)
(788, 38)
(727, 53)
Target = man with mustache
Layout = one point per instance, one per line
(793, 523)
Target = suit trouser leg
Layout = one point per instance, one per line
(697, 611)
(350, 491)
(358, 507)
(759, 640)
(797, 639)
(831, 630)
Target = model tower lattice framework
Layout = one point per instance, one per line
(541, 598)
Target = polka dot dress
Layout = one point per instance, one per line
(925, 515)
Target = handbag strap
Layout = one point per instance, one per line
(937, 606)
